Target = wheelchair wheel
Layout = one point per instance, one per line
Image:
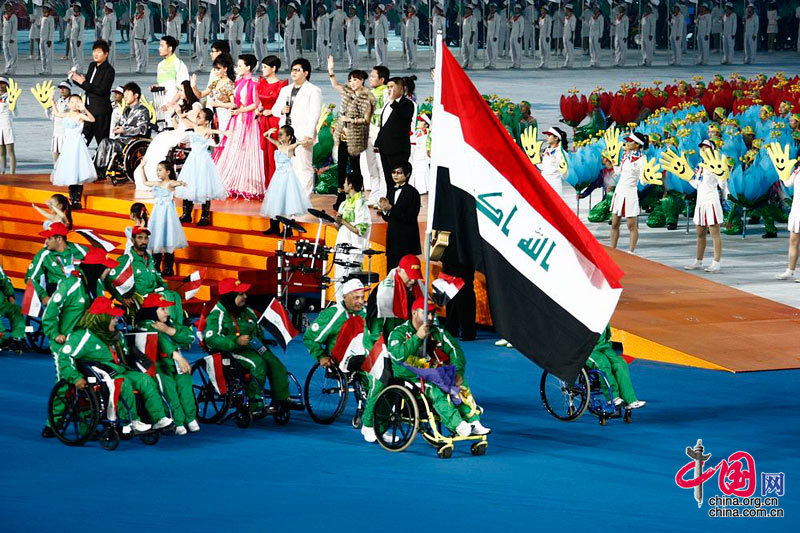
(211, 405)
(396, 418)
(78, 413)
(34, 333)
(445, 451)
(566, 402)
(109, 439)
(132, 156)
(243, 417)
(282, 416)
(325, 393)
(150, 438)
(479, 448)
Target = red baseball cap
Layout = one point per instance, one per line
(56, 228)
(98, 256)
(156, 300)
(103, 306)
(412, 266)
(419, 303)
(139, 229)
(232, 285)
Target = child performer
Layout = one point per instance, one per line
(6, 130)
(166, 232)
(285, 196)
(707, 212)
(60, 211)
(74, 166)
(58, 127)
(140, 218)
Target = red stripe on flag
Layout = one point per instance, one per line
(115, 401)
(280, 310)
(351, 327)
(483, 132)
(31, 304)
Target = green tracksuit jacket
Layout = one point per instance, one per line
(48, 268)
(147, 279)
(9, 309)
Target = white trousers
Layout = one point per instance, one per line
(303, 166)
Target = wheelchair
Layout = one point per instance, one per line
(402, 411)
(567, 402)
(327, 389)
(125, 161)
(219, 402)
(177, 156)
(85, 412)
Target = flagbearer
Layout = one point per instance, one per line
(232, 327)
(172, 368)
(320, 339)
(390, 304)
(11, 311)
(607, 360)
(406, 345)
(54, 262)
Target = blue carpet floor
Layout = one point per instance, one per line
(539, 474)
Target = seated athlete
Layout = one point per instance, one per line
(607, 360)
(232, 327)
(405, 346)
(97, 340)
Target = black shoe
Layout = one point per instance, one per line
(205, 217)
(48, 433)
(770, 235)
(672, 226)
(274, 228)
(169, 262)
(186, 217)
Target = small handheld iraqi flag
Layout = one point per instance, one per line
(144, 351)
(31, 304)
(445, 288)
(377, 362)
(276, 321)
(349, 343)
(192, 283)
(552, 287)
(122, 277)
(96, 240)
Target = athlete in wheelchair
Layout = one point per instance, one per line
(117, 158)
(603, 386)
(429, 390)
(95, 359)
(234, 375)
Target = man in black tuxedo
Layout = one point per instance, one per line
(401, 211)
(394, 138)
(97, 84)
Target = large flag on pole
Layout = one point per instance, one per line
(552, 288)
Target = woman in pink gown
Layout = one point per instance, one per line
(268, 88)
(239, 157)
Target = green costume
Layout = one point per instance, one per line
(221, 334)
(10, 310)
(65, 309)
(84, 345)
(147, 279)
(404, 343)
(48, 268)
(667, 211)
(320, 338)
(615, 368)
(177, 388)
(601, 211)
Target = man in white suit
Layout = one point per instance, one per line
(202, 35)
(299, 105)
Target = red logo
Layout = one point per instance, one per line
(737, 473)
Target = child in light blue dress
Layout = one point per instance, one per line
(74, 166)
(166, 232)
(285, 196)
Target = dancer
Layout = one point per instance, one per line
(140, 218)
(789, 172)
(76, 37)
(109, 31)
(260, 31)
(164, 226)
(202, 34)
(625, 201)
(200, 172)
(553, 158)
(234, 28)
(74, 166)
(545, 24)
(46, 38)
(269, 87)
(141, 35)
(60, 211)
(285, 196)
(239, 156)
(6, 130)
(9, 23)
(291, 33)
(381, 36)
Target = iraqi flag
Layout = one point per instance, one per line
(216, 373)
(192, 283)
(349, 342)
(276, 321)
(144, 351)
(377, 362)
(122, 277)
(552, 287)
(114, 386)
(31, 304)
(96, 240)
(445, 288)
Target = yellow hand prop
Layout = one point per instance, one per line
(716, 163)
(676, 164)
(613, 145)
(563, 166)
(43, 93)
(781, 161)
(652, 172)
(532, 147)
(323, 116)
(13, 94)
(150, 108)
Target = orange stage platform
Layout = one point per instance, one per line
(664, 314)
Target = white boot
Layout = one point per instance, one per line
(464, 429)
(786, 274)
(139, 426)
(193, 426)
(618, 402)
(480, 429)
(126, 429)
(368, 434)
(501, 342)
(714, 267)
(697, 265)
(637, 404)
(180, 430)
(164, 422)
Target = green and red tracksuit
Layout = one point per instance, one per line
(147, 279)
(177, 387)
(48, 268)
(10, 310)
(222, 331)
(615, 368)
(404, 343)
(321, 337)
(83, 345)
